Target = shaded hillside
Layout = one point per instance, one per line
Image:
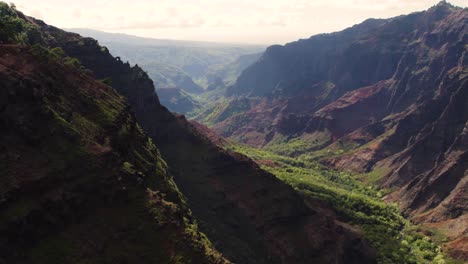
(80, 181)
(385, 98)
(229, 72)
(176, 100)
(298, 66)
(250, 215)
(167, 76)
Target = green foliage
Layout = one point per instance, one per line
(372, 177)
(296, 146)
(73, 62)
(128, 168)
(345, 146)
(57, 54)
(221, 110)
(107, 81)
(44, 53)
(13, 29)
(383, 226)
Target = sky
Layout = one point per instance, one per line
(233, 21)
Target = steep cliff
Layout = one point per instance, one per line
(79, 179)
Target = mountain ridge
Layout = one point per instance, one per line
(77, 169)
(150, 41)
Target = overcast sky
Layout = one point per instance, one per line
(238, 21)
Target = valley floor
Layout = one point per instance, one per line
(382, 225)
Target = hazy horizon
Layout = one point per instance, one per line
(225, 21)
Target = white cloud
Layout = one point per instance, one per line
(259, 21)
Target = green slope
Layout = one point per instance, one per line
(396, 239)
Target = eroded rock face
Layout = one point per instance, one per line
(315, 74)
(389, 95)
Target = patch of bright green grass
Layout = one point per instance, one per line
(297, 146)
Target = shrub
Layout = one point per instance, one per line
(13, 29)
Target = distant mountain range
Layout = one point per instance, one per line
(187, 65)
(145, 41)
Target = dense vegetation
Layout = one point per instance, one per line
(396, 239)
(58, 55)
(13, 29)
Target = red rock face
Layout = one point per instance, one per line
(353, 110)
(392, 95)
